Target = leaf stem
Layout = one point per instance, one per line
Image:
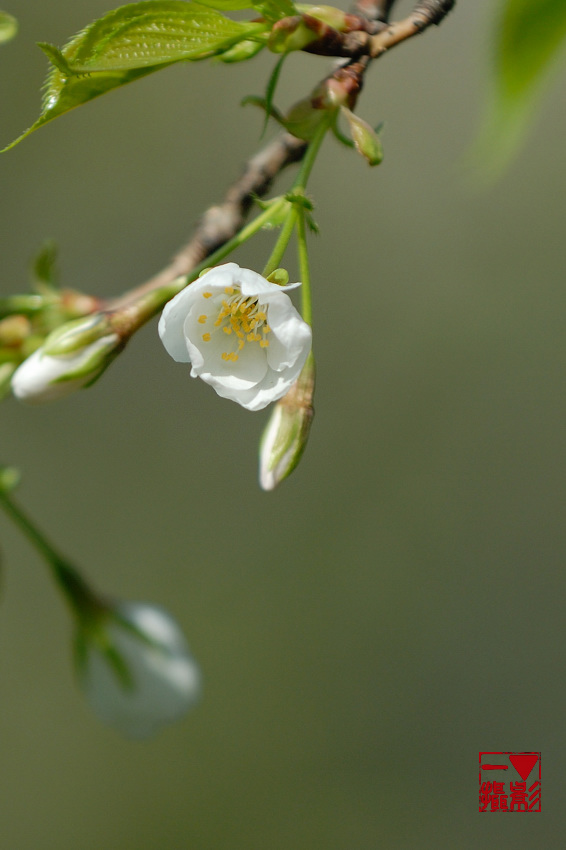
(299, 186)
(81, 599)
(304, 268)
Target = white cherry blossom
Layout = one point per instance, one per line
(240, 333)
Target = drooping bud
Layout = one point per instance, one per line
(73, 356)
(285, 437)
(135, 667)
(366, 141)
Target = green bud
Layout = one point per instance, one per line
(240, 52)
(335, 18)
(290, 34)
(303, 119)
(285, 437)
(279, 276)
(366, 141)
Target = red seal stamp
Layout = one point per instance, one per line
(510, 782)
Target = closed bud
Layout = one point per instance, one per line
(73, 356)
(290, 34)
(366, 141)
(335, 18)
(243, 50)
(135, 667)
(285, 437)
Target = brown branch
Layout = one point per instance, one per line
(220, 223)
(375, 10)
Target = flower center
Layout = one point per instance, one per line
(243, 320)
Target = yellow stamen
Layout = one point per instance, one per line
(207, 294)
(206, 337)
(202, 319)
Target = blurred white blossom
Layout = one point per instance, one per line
(240, 332)
(136, 669)
(73, 356)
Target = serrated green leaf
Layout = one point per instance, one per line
(129, 43)
(155, 32)
(8, 27)
(528, 40)
(228, 5)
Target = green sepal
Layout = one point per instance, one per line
(8, 27)
(279, 214)
(129, 43)
(95, 366)
(271, 112)
(76, 335)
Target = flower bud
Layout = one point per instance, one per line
(73, 356)
(290, 34)
(243, 50)
(135, 668)
(285, 437)
(366, 141)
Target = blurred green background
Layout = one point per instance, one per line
(398, 604)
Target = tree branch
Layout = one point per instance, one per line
(221, 223)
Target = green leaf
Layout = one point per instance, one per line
(131, 42)
(44, 266)
(270, 91)
(8, 27)
(228, 5)
(528, 41)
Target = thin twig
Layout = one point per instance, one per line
(221, 223)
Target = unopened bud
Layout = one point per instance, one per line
(290, 34)
(135, 668)
(279, 276)
(243, 50)
(335, 18)
(73, 356)
(285, 437)
(303, 119)
(14, 330)
(366, 141)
